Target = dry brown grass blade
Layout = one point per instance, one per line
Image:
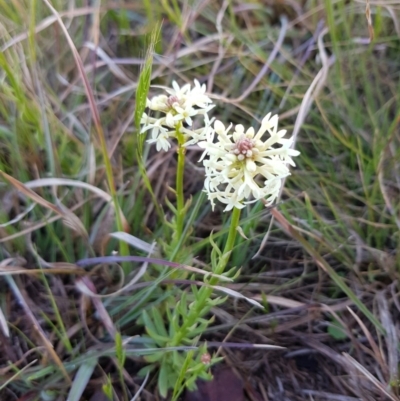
(111, 64)
(308, 99)
(316, 86)
(221, 49)
(325, 266)
(382, 186)
(81, 69)
(369, 21)
(161, 262)
(237, 295)
(20, 361)
(86, 286)
(46, 342)
(44, 182)
(19, 372)
(395, 19)
(37, 226)
(81, 285)
(96, 119)
(45, 24)
(352, 363)
(378, 357)
(17, 270)
(68, 217)
(271, 58)
(237, 101)
(19, 217)
(281, 301)
(3, 324)
(290, 303)
(391, 337)
(19, 186)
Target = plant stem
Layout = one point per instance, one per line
(180, 200)
(200, 304)
(230, 242)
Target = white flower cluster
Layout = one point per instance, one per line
(239, 165)
(180, 105)
(237, 162)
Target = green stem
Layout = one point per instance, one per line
(230, 242)
(200, 307)
(180, 200)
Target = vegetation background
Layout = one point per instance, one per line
(328, 261)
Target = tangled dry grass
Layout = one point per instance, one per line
(327, 261)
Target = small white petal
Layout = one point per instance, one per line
(271, 123)
(250, 133)
(260, 133)
(250, 165)
(169, 119)
(239, 129)
(175, 86)
(219, 127)
(265, 120)
(231, 157)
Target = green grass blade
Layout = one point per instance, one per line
(81, 380)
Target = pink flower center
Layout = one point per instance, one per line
(243, 148)
(172, 100)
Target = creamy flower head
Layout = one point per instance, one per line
(179, 106)
(244, 164)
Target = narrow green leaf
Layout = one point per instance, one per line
(146, 370)
(336, 330)
(182, 305)
(108, 388)
(264, 302)
(161, 341)
(163, 380)
(148, 322)
(119, 350)
(177, 359)
(171, 206)
(155, 357)
(81, 380)
(159, 322)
